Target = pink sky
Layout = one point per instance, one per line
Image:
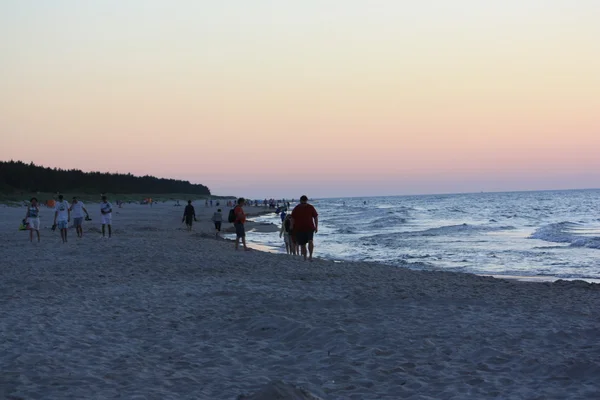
(276, 100)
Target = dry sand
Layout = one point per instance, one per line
(160, 313)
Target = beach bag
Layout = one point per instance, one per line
(231, 217)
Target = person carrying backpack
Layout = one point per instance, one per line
(239, 219)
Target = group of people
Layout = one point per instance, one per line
(63, 212)
(298, 228)
(189, 217)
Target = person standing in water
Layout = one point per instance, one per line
(62, 217)
(305, 223)
(189, 215)
(32, 216)
(106, 211)
(217, 218)
(240, 220)
(77, 209)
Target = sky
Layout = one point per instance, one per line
(270, 98)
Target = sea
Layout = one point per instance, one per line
(543, 234)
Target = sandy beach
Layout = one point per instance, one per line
(160, 313)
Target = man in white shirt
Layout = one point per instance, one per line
(106, 211)
(62, 217)
(77, 209)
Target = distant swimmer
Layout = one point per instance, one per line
(106, 211)
(189, 215)
(217, 219)
(77, 209)
(62, 217)
(32, 216)
(305, 223)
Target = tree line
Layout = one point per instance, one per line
(18, 176)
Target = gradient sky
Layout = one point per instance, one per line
(323, 97)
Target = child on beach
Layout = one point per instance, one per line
(217, 218)
(32, 216)
(285, 232)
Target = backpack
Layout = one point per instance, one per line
(231, 218)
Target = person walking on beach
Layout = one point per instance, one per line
(305, 223)
(106, 211)
(62, 217)
(189, 215)
(32, 216)
(286, 229)
(217, 219)
(240, 220)
(77, 209)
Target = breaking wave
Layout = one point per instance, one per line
(566, 232)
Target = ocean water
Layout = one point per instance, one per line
(547, 234)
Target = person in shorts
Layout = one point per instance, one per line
(62, 217)
(286, 228)
(77, 209)
(217, 218)
(106, 211)
(32, 216)
(305, 223)
(189, 215)
(240, 220)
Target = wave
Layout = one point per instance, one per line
(346, 231)
(565, 232)
(387, 221)
(449, 230)
(462, 228)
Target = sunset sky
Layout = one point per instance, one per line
(324, 97)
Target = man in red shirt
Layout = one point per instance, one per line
(305, 223)
(240, 220)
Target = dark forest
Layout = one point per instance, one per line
(16, 176)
